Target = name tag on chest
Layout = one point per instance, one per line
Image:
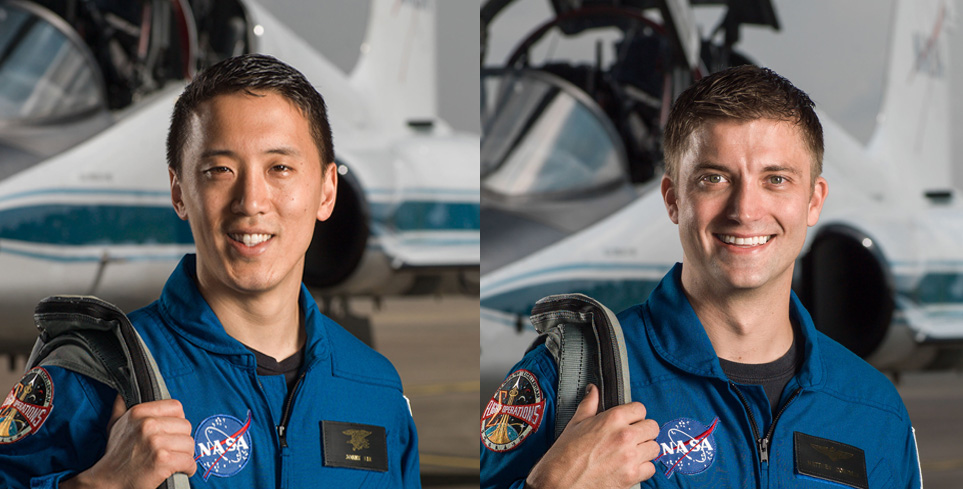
(354, 445)
(830, 460)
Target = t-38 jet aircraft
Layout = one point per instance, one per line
(571, 169)
(86, 91)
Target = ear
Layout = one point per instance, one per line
(329, 191)
(816, 200)
(670, 198)
(177, 195)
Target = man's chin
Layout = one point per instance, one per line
(256, 280)
(740, 278)
(747, 279)
(249, 278)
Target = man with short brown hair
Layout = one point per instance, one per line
(732, 386)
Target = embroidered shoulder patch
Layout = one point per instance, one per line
(223, 445)
(27, 406)
(513, 413)
(687, 446)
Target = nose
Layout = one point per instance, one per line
(251, 194)
(745, 202)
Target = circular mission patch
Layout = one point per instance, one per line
(27, 406)
(513, 413)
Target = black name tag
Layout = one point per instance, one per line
(354, 445)
(830, 460)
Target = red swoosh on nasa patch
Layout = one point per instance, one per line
(233, 439)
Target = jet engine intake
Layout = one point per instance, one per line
(339, 242)
(846, 286)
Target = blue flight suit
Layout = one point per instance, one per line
(235, 413)
(835, 406)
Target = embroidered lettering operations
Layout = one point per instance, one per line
(27, 406)
(513, 413)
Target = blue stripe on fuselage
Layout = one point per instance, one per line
(428, 216)
(79, 225)
(111, 224)
(616, 294)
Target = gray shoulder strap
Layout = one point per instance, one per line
(586, 340)
(94, 338)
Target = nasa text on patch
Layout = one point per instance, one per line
(27, 406)
(354, 445)
(222, 445)
(513, 413)
(830, 460)
(687, 446)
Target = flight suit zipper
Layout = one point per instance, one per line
(762, 443)
(286, 411)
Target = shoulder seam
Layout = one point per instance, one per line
(381, 381)
(888, 407)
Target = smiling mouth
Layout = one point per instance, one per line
(250, 240)
(750, 241)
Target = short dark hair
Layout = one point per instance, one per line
(743, 93)
(249, 73)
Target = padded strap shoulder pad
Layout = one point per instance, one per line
(585, 338)
(94, 338)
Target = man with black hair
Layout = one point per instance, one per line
(732, 386)
(266, 391)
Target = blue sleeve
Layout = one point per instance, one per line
(518, 423)
(410, 464)
(905, 462)
(53, 425)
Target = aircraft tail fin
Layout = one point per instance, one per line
(913, 128)
(397, 63)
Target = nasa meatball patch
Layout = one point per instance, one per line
(27, 406)
(687, 446)
(513, 413)
(222, 445)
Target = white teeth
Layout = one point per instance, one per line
(753, 241)
(251, 239)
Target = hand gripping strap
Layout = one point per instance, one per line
(94, 338)
(586, 340)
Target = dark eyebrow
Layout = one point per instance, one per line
(700, 167)
(210, 153)
(283, 151)
(781, 169)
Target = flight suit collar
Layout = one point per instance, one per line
(678, 337)
(189, 315)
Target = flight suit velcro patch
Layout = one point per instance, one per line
(27, 406)
(354, 445)
(830, 460)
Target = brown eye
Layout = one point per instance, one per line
(214, 170)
